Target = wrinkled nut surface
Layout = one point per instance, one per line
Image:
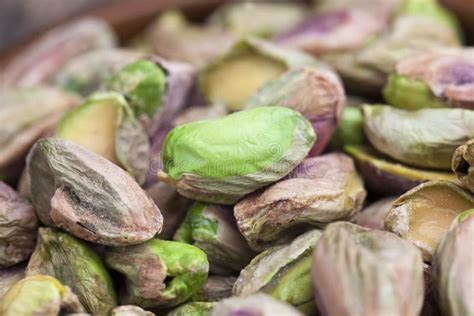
(463, 164)
(18, 226)
(130, 310)
(256, 304)
(88, 196)
(284, 272)
(320, 190)
(159, 273)
(424, 214)
(315, 92)
(106, 125)
(425, 138)
(252, 149)
(45, 56)
(215, 289)
(193, 308)
(386, 177)
(213, 229)
(352, 266)
(373, 216)
(249, 64)
(453, 268)
(11, 275)
(39, 295)
(76, 265)
(18, 131)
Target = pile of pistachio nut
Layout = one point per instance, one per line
(276, 159)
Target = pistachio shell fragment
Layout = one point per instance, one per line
(386, 177)
(316, 93)
(86, 73)
(424, 214)
(416, 137)
(353, 266)
(26, 114)
(106, 125)
(45, 56)
(130, 310)
(257, 19)
(215, 289)
(373, 216)
(262, 145)
(453, 269)
(257, 304)
(18, 226)
(9, 276)
(38, 295)
(213, 229)
(159, 273)
(319, 191)
(193, 309)
(76, 265)
(463, 164)
(249, 65)
(88, 196)
(173, 37)
(283, 272)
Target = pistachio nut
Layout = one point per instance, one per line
(130, 310)
(193, 309)
(86, 73)
(173, 37)
(316, 93)
(105, 124)
(350, 130)
(18, 226)
(48, 54)
(159, 273)
(320, 190)
(453, 268)
(249, 64)
(283, 272)
(215, 289)
(9, 276)
(351, 263)
(430, 305)
(256, 304)
(213, 229)
(415, 137)
(463, 164)
(263, 19)
(26, 114)
(424, 214)
(87, 195)
(438, 78)
(253, 148)
(373, 216)
(386, 177)
(76, 265)
(39, 295)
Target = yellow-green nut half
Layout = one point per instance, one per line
(283, 272)
(425, 138)
(220, 161)
(463, 164)
(76, 265)
(359, 271)
(159, 273)
(39, 295)
(453, 268)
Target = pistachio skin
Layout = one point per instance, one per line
(463, 164)
(9, 276)
(452, 267)
(215, 289)
(130, 310)
(76, 265)
(18, 227)
(373, 216)
(193, 309)
(384, 261)
(146, 267)
(268, 142)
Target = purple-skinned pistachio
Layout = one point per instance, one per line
(319, 191)
(463, 164)
(359, 271)
(77, 190)
(18, 227)
(215, 289)
(373, 216)
(315, 92)
(11, 275)
(44, 57)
